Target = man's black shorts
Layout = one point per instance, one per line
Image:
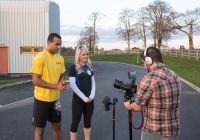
(43, 111)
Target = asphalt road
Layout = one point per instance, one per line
(15, 119)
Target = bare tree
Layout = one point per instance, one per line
(159, 13)
(141, 27)
(87, 38)
(190, 21)
(94, 17)
(125, 28)
(80, 41)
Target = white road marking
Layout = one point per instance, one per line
(16, 102)
(68, 86)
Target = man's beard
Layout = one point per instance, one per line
(148, 69)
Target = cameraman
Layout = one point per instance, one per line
(159, 94)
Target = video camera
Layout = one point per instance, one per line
(130, 87)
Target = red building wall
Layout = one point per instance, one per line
(3, 60)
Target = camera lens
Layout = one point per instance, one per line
(118, 84)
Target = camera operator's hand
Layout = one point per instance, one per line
(132, 106)
(127, 105)
(137, 86)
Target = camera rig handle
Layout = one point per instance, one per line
(131, 122)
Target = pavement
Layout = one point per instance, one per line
(17, 104)
(26, 83)
(18, 92)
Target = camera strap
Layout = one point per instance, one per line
(84, 68)
(141, 122)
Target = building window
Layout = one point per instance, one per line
(31, 49)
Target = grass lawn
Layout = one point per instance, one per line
(67, 65)
(186, 69)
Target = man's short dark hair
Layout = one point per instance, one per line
(52, 35)
(154, 53)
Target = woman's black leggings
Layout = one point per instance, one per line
(79, 107)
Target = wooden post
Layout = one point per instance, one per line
(197, 56)
(182, 54)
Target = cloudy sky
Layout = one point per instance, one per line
(74, 15)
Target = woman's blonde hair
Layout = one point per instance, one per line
(77, 63)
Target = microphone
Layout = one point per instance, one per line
(106, 102)
(132, 75)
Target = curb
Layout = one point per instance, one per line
(15, 102)
(17, 83)
(190, 84)
(13, 84)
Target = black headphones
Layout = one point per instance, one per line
(148, 60)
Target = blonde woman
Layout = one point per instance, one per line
(83, 85)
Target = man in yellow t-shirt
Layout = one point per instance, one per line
(48, 78)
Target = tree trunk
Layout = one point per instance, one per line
(90, 46)
(191, 43)
(145, 42)
(159, 43)
(129, 40)
(154, 37)
(94, 38)
(190, 36)
(129, 45)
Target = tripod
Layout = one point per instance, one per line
(113, 119)
(107, 103)
(130, 125)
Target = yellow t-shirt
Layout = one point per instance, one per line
(50, 67)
